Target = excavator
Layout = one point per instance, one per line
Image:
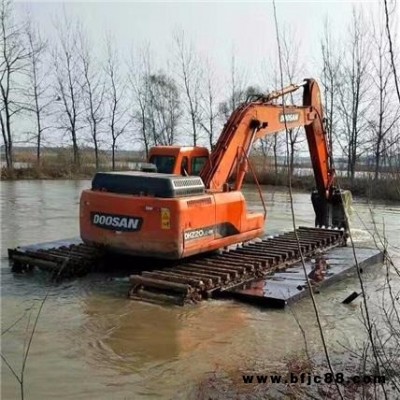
(191, 201)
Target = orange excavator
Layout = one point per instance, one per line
(193, 204)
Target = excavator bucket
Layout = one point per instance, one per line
(333, 212)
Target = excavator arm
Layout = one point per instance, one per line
(261, 117)
(257, 119)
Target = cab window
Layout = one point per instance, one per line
(164, 164)
(198, 164)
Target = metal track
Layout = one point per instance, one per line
(193, 279)
(61, 261)
(198, 278)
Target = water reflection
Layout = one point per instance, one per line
(130, 336)
(35, 211)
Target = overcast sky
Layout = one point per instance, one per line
(215, 28)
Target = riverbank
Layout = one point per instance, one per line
(381, 189)
(299, 377)
(48, 172)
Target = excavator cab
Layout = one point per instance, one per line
(179, 160)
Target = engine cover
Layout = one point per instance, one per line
(148, 184)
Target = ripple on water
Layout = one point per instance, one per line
(360, 235)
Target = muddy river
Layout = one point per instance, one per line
(93, 343)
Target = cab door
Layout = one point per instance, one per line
(197, 163)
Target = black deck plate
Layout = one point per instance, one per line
(288, 286)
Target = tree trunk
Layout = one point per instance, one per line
(75, 149)
(10, 159)
(38, 149)
(330, 128)
(211, 129)
(377, 159)
(96, 147)
(292, 144)
(194, 130)
(113, 154)
(352, 165)
(3, 131)
(145, 138)
(349, 163)
(39, 137)
(291, 166)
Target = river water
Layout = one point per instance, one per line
(93, 343)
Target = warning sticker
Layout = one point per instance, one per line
(165, 218)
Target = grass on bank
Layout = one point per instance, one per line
(222, 384)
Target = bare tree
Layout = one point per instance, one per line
(13, 63)
(117, 111)
(69, 82)
(157, 110)
(292, 69)
(391, 45)
(385, 112)
(270, 145)
(210, 110)
(331, 66)
(164, 108)
(190, 77)
(273, 142)
(391, 153)
(93, 89)
(138, 72)
(38, 97)
(353, 92)
(237, 90)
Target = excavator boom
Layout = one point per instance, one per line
(257, 119)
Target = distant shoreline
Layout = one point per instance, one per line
(387, 189)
